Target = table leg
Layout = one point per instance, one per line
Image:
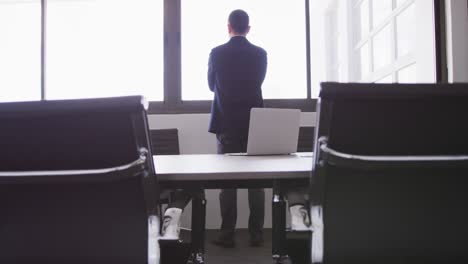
(198, 230)
(278, 223)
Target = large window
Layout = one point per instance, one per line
(54, 49)
(388, 41)
(105, 48)
(20, 50)
(277, 26)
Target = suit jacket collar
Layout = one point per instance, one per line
(238, 39)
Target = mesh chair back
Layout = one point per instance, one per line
(165, 141)
(306, 139)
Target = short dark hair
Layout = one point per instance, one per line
(239, 21)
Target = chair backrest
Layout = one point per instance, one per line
(379, 207)
(306, 139)
(76, 181)
(165, 141)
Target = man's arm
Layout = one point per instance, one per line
(264, 66)
(211, 73)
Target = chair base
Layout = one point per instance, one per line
(298, 247)
(174, 251)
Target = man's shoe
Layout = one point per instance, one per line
(225, 243)
(196, 258)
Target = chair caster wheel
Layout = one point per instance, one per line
(196, 258)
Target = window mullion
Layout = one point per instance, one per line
(43, 48)
(172, 53)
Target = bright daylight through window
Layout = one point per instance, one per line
(388, 40)
(277, 26)
(105, 48)
(20, 50)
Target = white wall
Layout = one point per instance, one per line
(457, 40)
(195, 139)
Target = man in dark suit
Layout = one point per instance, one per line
(236, 71)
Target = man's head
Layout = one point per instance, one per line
(238, 23)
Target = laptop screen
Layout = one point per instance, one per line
(273, 131)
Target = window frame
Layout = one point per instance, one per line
(390, 22)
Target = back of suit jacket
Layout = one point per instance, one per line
(236, 71)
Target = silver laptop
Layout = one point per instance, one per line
(273, 131)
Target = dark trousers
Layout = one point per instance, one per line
(228, 197)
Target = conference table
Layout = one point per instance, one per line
(216, 171)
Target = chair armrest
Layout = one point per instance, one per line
(154, 252)
(341, 159)
(316, 218)
(112, 173)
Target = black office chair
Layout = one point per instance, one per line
(77, 182)
(390, 176)
(305, 141)
(165, 141)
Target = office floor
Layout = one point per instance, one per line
(242, 253)
(297, 247)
